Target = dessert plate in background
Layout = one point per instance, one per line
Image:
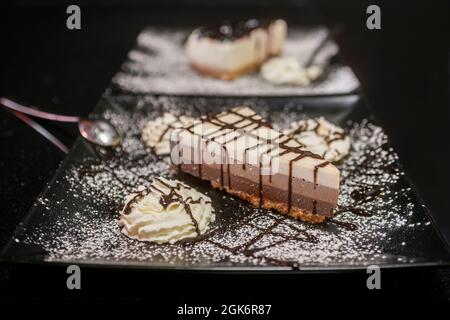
(158, 65)
(379, 220)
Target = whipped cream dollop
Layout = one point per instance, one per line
(166, 211)
(321, 137)
(156, 133)
(287, 70)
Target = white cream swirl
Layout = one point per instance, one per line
(286, 70)
(156, 133)
(166, 211)
(321, 137)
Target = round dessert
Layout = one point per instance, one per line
(156, 133)
(286, 70)
(321, 137)
(166, 212)
(229, 50)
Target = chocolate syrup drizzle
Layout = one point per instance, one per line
(366, 192)
(169, 126)
(332, 137)
(362, 194)
(250, 248)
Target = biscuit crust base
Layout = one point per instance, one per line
(295, 212)
(224, 74)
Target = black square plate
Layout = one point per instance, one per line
(75, 219)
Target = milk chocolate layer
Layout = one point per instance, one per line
(270, 190)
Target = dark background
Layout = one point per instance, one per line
(403, 68)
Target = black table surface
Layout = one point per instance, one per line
(403, 69)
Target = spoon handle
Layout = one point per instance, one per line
(36, 126)
(36, 113)
(330, 35)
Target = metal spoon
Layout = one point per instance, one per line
(99, 132)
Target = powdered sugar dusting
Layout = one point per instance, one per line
(81, 221)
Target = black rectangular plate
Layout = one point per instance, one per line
(67, 226)
(158, 65)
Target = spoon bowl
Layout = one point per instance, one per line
(99, 132)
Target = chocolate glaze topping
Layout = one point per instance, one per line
(228, 31)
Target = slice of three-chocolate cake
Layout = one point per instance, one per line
(240, 152)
